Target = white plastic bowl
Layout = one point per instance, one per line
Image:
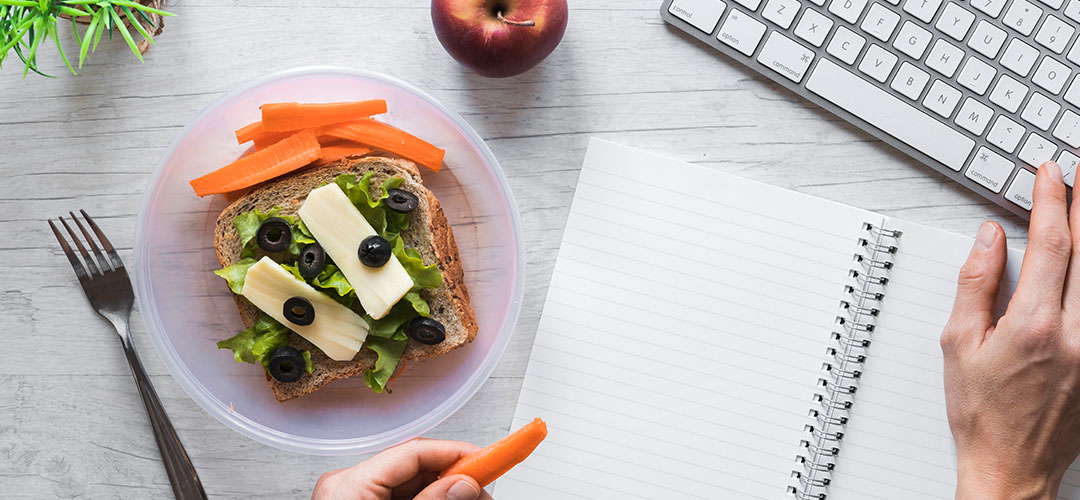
(187, 309)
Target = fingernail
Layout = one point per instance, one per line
(1053, 169)
(462, 490)
(986, 236)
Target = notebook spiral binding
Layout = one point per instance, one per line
(842, 369)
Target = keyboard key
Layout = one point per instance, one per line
(955, 21)
(924, 10)
(1068, 129)
(989, 169)
(1022, 16)
(890, 114)
(813, 27)
(1008, 93)
(945, 58)
(987, 39)
(741, 32)
(912, 40)
(1021, 189)
(974, 116)
(1054, 4)
(1068, 163)
(1037, 150)
(1074, 53)
(880, 22)
(781, 12)
(845, 45)
(783, 55)
(701, 14)
(976, 75)
(1040, 111)
(1005, 134)
(750, 4)
(848, 10)
(1073, 95)
(1072, 11)
(1054, 34)
(1051, 75)
(878, 63)
(910, 81)
(991, 8)
(942, 99)
(1019, 57)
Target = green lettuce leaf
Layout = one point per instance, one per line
(308, 366)
(255, 344)
(389, 353)
(423, 276)
(396, 319)
(247, 225)
(236, 273)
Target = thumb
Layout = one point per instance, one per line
(977, 289)
(456, 487)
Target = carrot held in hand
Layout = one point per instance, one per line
(487, 464)
(284, 116)
(281, 158)
(390, 139)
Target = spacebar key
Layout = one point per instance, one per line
(890, 114)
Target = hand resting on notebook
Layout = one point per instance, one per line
(1013, 388)
(408, 470)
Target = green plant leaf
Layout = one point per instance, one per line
(84, 44)
(138, 26)
(71, 12)
(19, 3)
(145, 8)
(39, 35)
(103, 22)
(127, 35)
(60, 48)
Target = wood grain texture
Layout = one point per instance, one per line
(71, 424)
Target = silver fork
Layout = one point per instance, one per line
(108, 288)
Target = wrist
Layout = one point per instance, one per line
(978, 483)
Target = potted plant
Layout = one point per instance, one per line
(25, 25)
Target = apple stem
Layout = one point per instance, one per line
(515, 23)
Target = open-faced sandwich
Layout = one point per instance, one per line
(342, 270)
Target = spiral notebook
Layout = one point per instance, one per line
(707, 336)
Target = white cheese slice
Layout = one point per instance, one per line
(339, 227)
(337, 330)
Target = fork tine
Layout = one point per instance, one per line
(116, 262)
(86, 257)
(93, 246)
(80, 271)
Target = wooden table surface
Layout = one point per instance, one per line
(71, 422)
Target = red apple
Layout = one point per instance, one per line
(499, 38)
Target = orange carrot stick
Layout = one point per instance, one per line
(287, 155)
(487, 464)
(265, 139)
(336, 152)
(248, 132)
(387, 138)
(284, 116)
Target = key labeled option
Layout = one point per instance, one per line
(783, 55)
(1021, 189)
(741, 32)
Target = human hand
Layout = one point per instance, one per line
(1012, 389)
(408, 470)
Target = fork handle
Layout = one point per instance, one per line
(182, 475)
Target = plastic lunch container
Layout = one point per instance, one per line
(187, 308)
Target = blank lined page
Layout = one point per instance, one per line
(684, 329)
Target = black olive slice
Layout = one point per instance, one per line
(374, 251)
(299, 311)
(286, 364)
(311, 261)
(426, 331)
(400, 200)
(274, 235)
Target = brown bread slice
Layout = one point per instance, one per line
(429, 233)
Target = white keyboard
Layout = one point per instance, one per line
(984, 91)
